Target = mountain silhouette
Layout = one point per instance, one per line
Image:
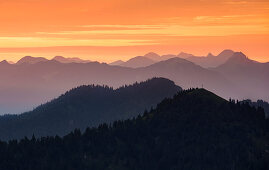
(249, 75)
(150, 58)
(143, 61)
(87, 106)
(194, 130)
(153, 56)
(226, 54)
(31, 60)
(70, 60)
(210, 60)
(116, 63)
(184, 55)
(167, 57)
(238, 58)
(139, 61)
(4, 62)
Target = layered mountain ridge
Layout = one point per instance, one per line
(24, 86)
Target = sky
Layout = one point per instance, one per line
(108, 30)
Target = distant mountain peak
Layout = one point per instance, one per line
(153, 56)
(239, 57)
(4, 62)
(174, 61)
(226, 53)
(116, 63)
(177, 59)
(58, 57)
(138, 61)
(210, 55)
(31, 60)
(62, 59)
(184, 55)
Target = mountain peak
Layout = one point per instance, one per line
(58, 58)
(116, 63)
(172, 62)
(62, 59)
(31, 60)
(210, 55)
(4, 62)
(238, 57)
(138, 61)
(184, 55)
(226, 54)
(178, 60)
(153, 56)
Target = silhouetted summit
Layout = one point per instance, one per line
(69, 60)
(174, 61)
(116, 63)
(226, 54)
(184, 55)
(251, 76)
(210, 55)
(153, 56)
(4, 62)
(31, 60)
(87, 106)
(210, 60)
(139, 61)
(238, 58)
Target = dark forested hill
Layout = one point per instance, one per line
(194, 130)
(87, 106)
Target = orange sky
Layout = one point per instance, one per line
(107, 30)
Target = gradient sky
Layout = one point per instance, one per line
(107, 30)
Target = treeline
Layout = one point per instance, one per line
(259, 103)
(194, 130)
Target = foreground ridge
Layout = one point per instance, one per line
(194, 130)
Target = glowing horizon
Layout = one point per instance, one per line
(106, 31)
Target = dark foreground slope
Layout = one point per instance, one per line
(194, 130)
(259, 103)
(87, 106)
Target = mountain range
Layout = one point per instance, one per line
(61, 59)
(150, 58)
(193, 130)
(25, 86)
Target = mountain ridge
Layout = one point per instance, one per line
(69, 60)
(31, 60)
(87, 106)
